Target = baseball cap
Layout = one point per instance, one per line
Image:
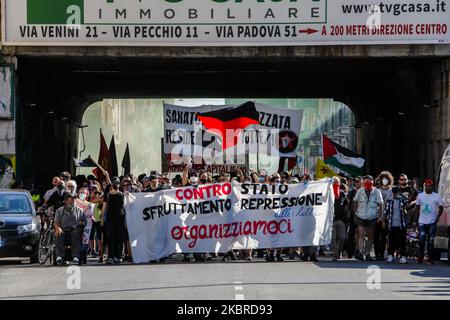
(115, 180)
(69, 195)
(368, 177)
(152, 177)
(428, 182)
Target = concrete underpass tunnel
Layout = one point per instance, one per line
(400, 105)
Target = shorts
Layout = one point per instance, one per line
(366, 223)
(96, 231)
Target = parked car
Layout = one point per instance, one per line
(19, 226)
(441, 241)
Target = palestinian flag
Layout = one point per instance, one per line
(235, 119)
(342, 158)
(86, 163)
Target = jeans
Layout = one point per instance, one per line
(427, 233)
(397, 241)
(338, 237)
(351, 241)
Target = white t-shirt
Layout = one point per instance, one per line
(429, 207)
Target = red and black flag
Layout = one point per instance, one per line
(104, 159)
(234, 118)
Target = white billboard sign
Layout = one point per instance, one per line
(224, 22)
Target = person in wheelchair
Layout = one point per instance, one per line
(69, 222)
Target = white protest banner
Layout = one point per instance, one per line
(88, 210)
(221, 217)
(223, 22)
(276, 135)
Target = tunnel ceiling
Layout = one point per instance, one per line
(369, 86)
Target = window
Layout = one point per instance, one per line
(14, 204)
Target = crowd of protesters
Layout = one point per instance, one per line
(368, 213)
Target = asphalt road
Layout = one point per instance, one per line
(236, 280)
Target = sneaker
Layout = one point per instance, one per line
(270, 258)
(369, 258)
(116, 261)
(110, 261)
(321, 252)
(359, 256)
(429, 262)
(280, 258)
(186, 259)
(313, 258)
(402, 260)
(390, 259)
(249, 258)
(100, 260)
(59, 261)
(76, 260)
(225, 257)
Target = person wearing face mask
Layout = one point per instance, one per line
(56, 200)
(113, 218)
(275, 180)
(204, 179)
(339, 219)
(351, 243)
(368, 206)
(262, 176)
(395, 215)
(386, 180)
(47, 195)
(69, 221)
(167, 183)
(83, 199)
(430, 206)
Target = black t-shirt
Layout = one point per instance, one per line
(351, 195)
(57, 199)
(115, 206)
(340, 207)
(410, 193)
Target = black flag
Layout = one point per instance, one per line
(112, 153)
(126, 162)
